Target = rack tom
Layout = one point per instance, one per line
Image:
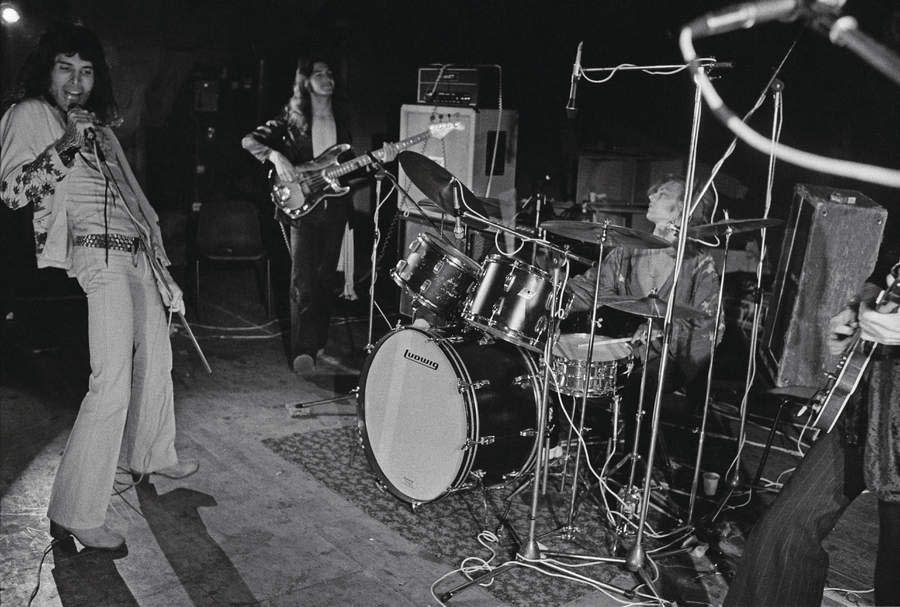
(511, 301)
(436, 275)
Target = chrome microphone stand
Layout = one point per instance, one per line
(637, 556)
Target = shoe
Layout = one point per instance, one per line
(98, 538)
(304, 364)
(182, 469)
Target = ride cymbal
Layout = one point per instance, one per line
(649, 307)
(589, 232)
(732, 226)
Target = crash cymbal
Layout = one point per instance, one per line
(435, 182)
(732, 226)
(650, 307)
(591, 232)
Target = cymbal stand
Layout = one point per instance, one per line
(379, 179)
(568, 529)
(531, 549)
(734, 478)
(538, 204)
(634, 456)
(709, 374)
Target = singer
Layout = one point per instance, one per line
(87, 216)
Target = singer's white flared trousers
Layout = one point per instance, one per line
(130, 388)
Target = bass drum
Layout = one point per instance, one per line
(436, 409)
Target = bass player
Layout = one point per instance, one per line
(312, 121)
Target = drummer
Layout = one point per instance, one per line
(641, 272)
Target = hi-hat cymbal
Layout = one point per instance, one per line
(436, 182)
(732, 226)
(590, 232)
(650, 307)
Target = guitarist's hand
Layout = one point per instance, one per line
(388, 152)
(283, 166)
(842, 326)
(882, 325)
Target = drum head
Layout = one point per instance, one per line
(414, 418)
(574, 346)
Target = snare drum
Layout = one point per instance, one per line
(436, 411)
(511, 301)
(611, 363)
(436, 275)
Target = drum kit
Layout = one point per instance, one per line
(447, 407)
(462, 401)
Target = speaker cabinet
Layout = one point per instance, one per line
(830, 248)
(467, 154)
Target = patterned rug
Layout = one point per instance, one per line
(448, 527)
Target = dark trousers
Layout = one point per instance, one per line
(784, 562)
(315, 249)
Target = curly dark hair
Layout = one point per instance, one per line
(67, 39)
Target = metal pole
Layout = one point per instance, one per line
(587, 377)
(709, 374)
(379, 177)
(531, 550)
(636, 556)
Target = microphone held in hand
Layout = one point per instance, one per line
(90, 135)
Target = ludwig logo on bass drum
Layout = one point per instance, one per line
(417, 358)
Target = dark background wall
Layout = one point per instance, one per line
(187, 147)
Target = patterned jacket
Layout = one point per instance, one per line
(698, 287)
(31, 172)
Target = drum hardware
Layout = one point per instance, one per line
(524, 380)
(300, 406)
(481, 442)
(475, 385)
(450, 339)
(734, 478)
(727, 232)
(636, 558)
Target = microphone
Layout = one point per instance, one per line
(458, 232)
(745, 16)
(90, 134)
(571, 110)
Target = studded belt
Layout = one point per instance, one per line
(116, 242)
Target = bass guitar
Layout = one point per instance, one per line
(319, 178)
(843, 382)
